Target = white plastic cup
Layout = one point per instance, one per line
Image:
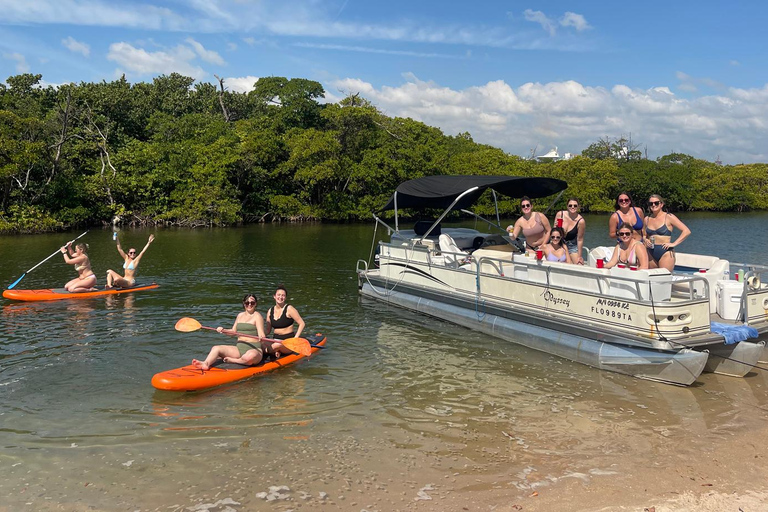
(114, 236)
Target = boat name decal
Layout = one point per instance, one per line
(550, 297)
(613, 303)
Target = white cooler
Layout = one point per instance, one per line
(729, 298)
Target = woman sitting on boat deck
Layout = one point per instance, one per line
(574, 227)
(626, 211)
(658, 234)
(86, 279)
(628, 251)
(248, 351)
(280, 319)
(534, 226)
(556, 250)
(130, 266)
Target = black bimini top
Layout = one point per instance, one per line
(441, 191)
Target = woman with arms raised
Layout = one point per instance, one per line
(130, 265)
(86, 279)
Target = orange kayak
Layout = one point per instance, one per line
(189, 378)
(61, 293)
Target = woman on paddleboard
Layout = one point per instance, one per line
(130, 265)
(280, 319)
(86, 279)
(248, 351)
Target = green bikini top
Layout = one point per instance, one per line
(246, 328)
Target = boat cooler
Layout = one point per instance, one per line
(729, 298)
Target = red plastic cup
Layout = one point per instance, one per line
(600, 262)
(621, 265)
(736, 276)
(539, 254)
(559, 223)
(702, 271)
(633, 267)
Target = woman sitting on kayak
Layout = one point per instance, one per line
(249, 351)
(131, 264)
(86, 279)
(280, 319)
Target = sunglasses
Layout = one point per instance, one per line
(654, 203)
(625, 233)
(624, 200)
(528, 205)
(250, 302)
(573, 206)
(554, 238)
(131, 252)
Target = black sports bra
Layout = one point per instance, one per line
(282, 322)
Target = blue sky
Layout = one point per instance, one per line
(677, 76)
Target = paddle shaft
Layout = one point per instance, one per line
(46, 259)
(235, 333)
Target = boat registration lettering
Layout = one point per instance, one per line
(612, 313)
(612, 304)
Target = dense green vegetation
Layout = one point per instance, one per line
(190, 154)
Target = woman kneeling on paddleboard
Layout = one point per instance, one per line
(249, 351)
(130, 266)
(281, 318)
(86, 279)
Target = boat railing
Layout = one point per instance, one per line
(650, 289)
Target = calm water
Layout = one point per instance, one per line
(398, 409)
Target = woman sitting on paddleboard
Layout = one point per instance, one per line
(280, 319)
(130, 266)
(249, 351)
(86, 279)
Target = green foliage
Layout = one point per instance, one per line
(165, 153)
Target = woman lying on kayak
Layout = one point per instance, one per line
(281, 318)
(130, 266)
(249, 351)
(86, 279)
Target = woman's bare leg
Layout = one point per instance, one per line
(218, 351)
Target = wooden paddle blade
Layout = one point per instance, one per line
(298, 345)
(187, 325)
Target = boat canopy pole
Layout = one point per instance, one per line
(553, 202)
(489, 222)
(378, 220)
(496, 207)
(442, 216)
(397, 226)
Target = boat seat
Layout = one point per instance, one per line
(452, 254)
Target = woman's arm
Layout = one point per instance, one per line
(642, 255)
(120, 249)
(614, 257)
(516, 228)
(137, 258)
(547, 226)
(294, 314)
(684, 231)
(580, 240)
(613, 223)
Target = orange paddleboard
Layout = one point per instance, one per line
(189, 378)
(61, 293)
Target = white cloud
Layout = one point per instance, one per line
(21, 61)
(364, 49)
(142, 62)
(577, 21)
(240, 84)
(76, 46)
(542, 19)
(231, 47)
(571, 115)
(207, 55)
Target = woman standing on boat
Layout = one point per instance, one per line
(86, 279)
(130, 265)
(280, 319)
(628, 251)
(556, 250)
(574, 226)
(534, 226)
(626, 211)
(658, 234)
(248, 351)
